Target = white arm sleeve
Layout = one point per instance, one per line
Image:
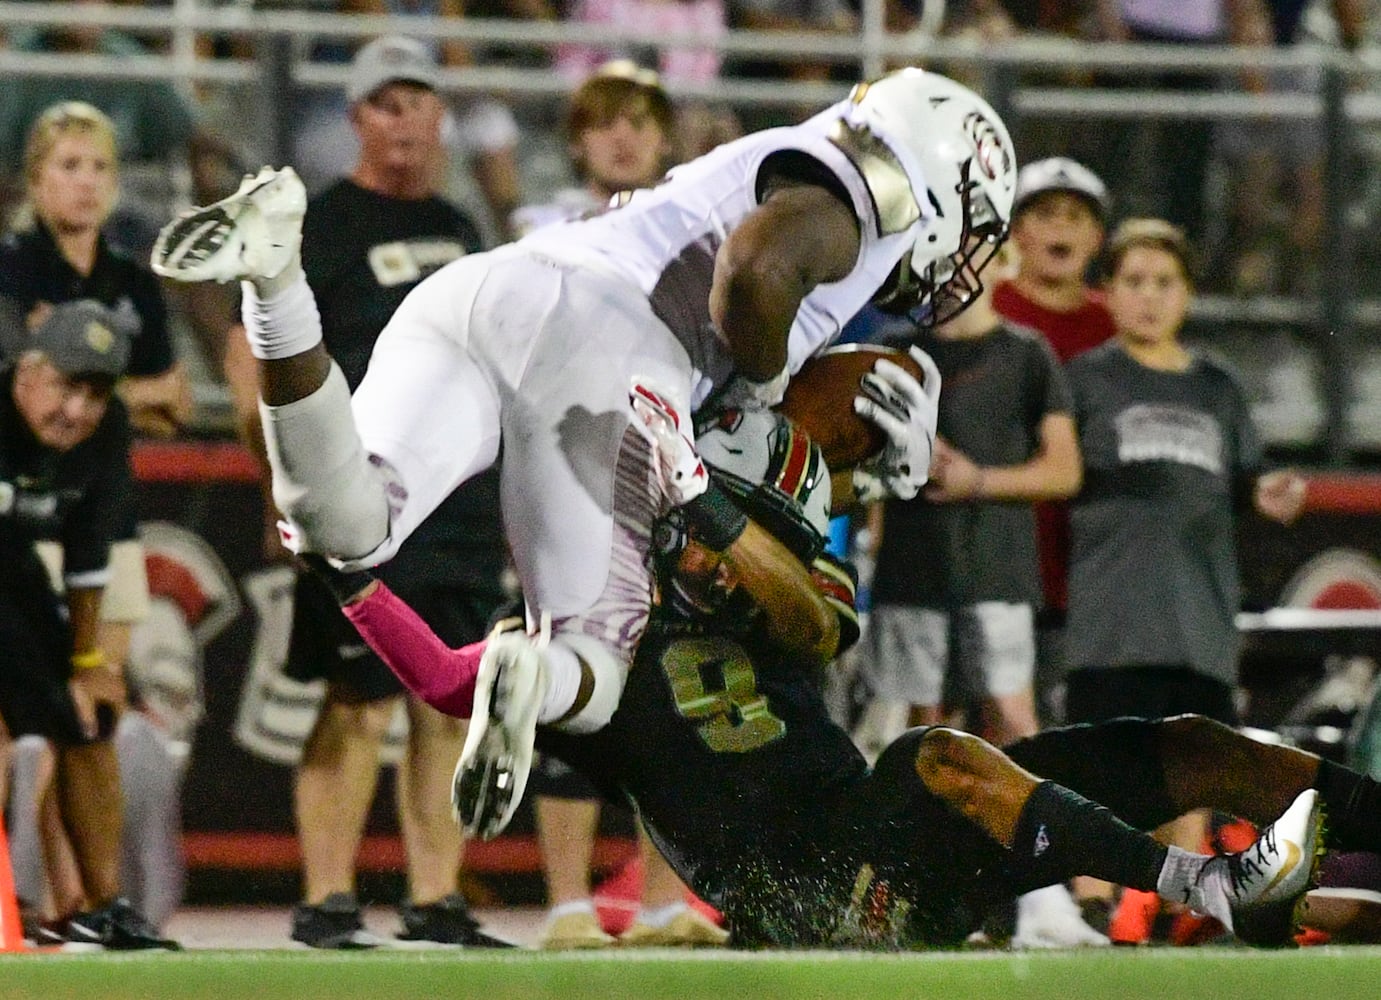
(323, 482)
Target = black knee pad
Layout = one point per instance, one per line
(1115, 763)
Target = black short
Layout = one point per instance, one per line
(35, 650)
(1095, 695)
(326, 646)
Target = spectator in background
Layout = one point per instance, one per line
(1006, 438)
(702, 18)
(1058, 223)
(368, 240)
(1170, 455)
(619, 129)
(64, 466)
(1275, 175)
(478, 131)
(71, 172)
(59, 252)
(1170, 182)
(828, 17)
(153, 125)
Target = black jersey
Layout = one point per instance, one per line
(82, 498)
(33, 270)
(765, 807)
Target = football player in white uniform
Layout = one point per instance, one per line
(713, 286)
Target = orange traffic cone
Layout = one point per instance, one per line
(11, 930)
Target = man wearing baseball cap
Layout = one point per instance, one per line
(368, 239)
(64, 475)
(386, 60)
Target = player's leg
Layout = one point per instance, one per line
(1052, 833)
(579, 496)
(1150, 771)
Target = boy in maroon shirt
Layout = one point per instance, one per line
(1058, 221)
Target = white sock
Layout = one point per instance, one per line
(1198, 880)
(283, 323)
(563, 681)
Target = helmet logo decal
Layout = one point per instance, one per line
(991, 156)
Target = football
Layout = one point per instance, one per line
(820, 400)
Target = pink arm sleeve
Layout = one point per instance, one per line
(442, 677)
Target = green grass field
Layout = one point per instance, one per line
(1332, 973)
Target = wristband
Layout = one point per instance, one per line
(344, 585)
(89, 660)
(715, 521)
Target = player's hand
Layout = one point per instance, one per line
(92, 688)
(908, 412)
(682, 475)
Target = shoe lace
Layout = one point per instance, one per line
(1248, 866)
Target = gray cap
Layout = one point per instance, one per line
(1060, 173)
(386, 60)
(84, 338)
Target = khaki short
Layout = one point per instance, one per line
(126, 597)
(908, 651)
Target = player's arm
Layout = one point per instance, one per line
(801, 236)
(795, 614)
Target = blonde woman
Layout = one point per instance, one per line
(57, 253)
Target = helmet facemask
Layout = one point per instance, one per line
(949, 284)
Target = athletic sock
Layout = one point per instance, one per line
(1061, 834)
(563, 681)
(1353, 805)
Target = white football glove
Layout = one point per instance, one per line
(682, 475)
(907, 412)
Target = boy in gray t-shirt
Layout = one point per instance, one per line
(957, 581)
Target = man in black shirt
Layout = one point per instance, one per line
(64, 475)
(368, 239)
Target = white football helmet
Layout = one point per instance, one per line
(958, 158)
(775, 472)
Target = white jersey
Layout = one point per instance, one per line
(664, 240)
(567, 205)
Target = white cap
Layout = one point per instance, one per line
(386, 60)
(1060, 173)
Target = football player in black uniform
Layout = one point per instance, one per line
(767, 810)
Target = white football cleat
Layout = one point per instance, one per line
(492, 772)
(1255, 892)
(254, 233)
